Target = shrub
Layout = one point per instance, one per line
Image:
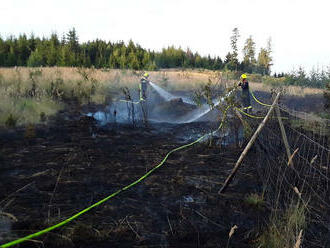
(11, 121)
(255, 200)
(43, 117)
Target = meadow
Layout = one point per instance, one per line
(31, 95)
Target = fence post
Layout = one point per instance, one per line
(284, 137)
(248, 146)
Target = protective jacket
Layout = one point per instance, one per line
(245, 94)
(143, 88)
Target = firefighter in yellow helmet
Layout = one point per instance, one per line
(245, 95)
(143, 97)
(143, 86)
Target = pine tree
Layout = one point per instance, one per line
(264, 59)
(3, 52)
(32, 42)
(72, 40)
(249, 60)
(23, 50)
(218, 65)
(52, 56)
(67, 58)
(12, 58)
(233, 43)
(35, 59)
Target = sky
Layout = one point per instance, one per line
(299, 29)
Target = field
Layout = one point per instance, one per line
(66, 142)
(29, 95)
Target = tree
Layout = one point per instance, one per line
(35, 59)
(11, 59)
(3, 52)
(217, 65)
(230, 62)
(32, 42)
(66, 58)
(233, 43)
(70, 54)
(198, 61)
(265, 59)
(23, 50)
(249, 60)
(72, 40)
(146, 61)
(114, 60)
(133, 62)
(67, 51)
(52, 56)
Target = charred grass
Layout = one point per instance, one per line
(70, 163)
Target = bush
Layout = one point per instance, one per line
(255, 200)
(11, 121)
(43, 117)
(35, 59)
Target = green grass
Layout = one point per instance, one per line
(26, 110)
(255, 200)
(30, 96)
(283, 231)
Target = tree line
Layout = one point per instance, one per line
(68, 51)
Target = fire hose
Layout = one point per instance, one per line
(66, 221)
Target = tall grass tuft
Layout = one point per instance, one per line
(283, 230)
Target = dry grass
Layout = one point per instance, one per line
(289, 90)
(175, 79)
(101, 86)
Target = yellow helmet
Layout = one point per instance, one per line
(243, 76)
(146, 74)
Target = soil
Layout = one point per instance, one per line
(50, 172)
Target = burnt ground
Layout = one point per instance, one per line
(53, 171)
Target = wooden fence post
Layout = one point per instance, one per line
(284, 137)
(248, 146)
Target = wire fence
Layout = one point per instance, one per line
(302, 181)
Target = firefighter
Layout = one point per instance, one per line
(143, 86)
(143, 97)
(245, 95)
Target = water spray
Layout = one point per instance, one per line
(167, 96)
(195, 115)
